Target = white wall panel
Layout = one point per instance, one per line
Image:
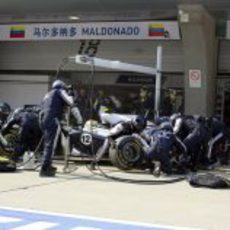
(18, 90)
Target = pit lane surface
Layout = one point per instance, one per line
(105, 204)
(27, 219)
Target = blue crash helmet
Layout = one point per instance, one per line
(139, 122)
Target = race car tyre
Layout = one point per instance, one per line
(126, 153)
(11, 136)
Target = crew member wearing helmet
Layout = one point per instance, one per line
(5, 111)
(218, 133)
(29, 133)
(192, 130)
(135, 125)
(53, 108)
(158, 145)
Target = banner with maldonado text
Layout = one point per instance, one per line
(149, 30)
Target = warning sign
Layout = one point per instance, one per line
(194, 78)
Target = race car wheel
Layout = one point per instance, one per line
(126, 153)
(11, 139)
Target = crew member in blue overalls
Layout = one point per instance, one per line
(218, 133)
(158, 143)
(192, 130)
(29, 133)
(53, 109)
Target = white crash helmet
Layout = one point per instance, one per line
(58, 84)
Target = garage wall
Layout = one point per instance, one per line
(18, 90)
(108, 78)
(46, 55)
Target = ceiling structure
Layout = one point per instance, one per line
(35, 11)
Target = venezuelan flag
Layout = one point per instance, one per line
(156, 30)
(17, 31)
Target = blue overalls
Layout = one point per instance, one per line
(29, 131)
(53, 107)
(195, 132)
(161, 146)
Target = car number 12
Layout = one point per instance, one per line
(86, 138)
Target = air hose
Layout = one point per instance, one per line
(102, 173)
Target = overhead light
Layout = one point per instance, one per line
(74, 18)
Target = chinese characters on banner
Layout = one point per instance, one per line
(107, 30)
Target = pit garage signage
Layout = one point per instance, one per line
(150, 30)
(194, 78)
